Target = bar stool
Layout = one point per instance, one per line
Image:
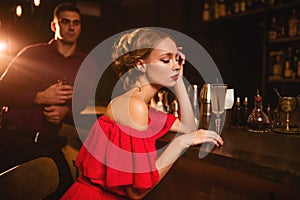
(35, 179)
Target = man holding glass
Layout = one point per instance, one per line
(36, 89)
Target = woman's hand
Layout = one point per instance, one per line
(181, 60)
(201, 136)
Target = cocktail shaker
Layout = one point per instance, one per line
(205, 106)
(193, 95)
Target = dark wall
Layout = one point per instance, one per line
(234, 45)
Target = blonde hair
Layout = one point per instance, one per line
(132, 47)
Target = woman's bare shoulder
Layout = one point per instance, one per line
(138, 112)
(129, 110)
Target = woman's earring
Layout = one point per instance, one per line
(141, 68)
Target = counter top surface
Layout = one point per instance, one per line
(272, 156)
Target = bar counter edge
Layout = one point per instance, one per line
(247, 166)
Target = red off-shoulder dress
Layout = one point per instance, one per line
(114, 156)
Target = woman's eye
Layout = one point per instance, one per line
(165, 61)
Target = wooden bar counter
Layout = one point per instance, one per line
(247, 166)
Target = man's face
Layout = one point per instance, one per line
(68, 27)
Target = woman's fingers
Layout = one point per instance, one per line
(181, 56)
(214, 135)
(203, 136)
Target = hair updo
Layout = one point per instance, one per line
(132, 47)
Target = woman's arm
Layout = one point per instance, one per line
(174, 150)
(186, 122)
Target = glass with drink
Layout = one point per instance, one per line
(218, 96)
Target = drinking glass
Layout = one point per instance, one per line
(287, 105)
(65, 81)
(218, 96)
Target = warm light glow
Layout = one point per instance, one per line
(19, 11)
(3, 46)
(37, 2)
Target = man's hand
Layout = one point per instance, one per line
(55, 113)
(55, 94)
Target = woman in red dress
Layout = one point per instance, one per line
(119, 159)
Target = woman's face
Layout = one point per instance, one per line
(162, 65)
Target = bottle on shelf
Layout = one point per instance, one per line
(271, 2)
(193, 92)
(298, 69)
(269, 114)
(277, 66)
(237, 117)
(175, 108)
(249, 4)
(216, 9)
(296, 58)
(229, 7)
(222, 8)
(288, 63)
(166, 102)
(293, 23)
(257, 4)
(206, 11)
(236, 7)
(273, 29)
(298, 25)
(282, 27)
(276, 118)
(205, 106)
(287, 70)
(246, 111)
(258, 121)
(242, 5)
(152, 103)
(159, 105)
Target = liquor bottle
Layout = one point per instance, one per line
(229, 7)
(242, 6)
(166, 102)
(298, 69)
(288, 72)
(193, 91)
(269, 114)
(236, 6)
(288, 63)
(246, 111)
(258, 121)
(298, 25)
(222, 8)
(277, 66)
(273, 29)
(271, 2)
(249, 4)
(296, 58)
(152, 103)
(205, 106)
(293, 23)
(276, 118)
(216, 9)
(257, 4)
(282, 27)
(159, 105)
(206, 11)
(175, 108)
(237, 113)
